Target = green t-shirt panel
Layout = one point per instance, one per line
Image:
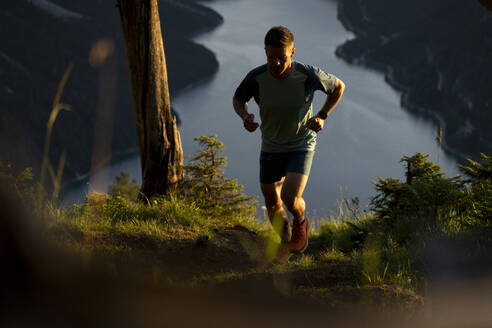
(285, 105)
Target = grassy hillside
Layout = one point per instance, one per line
(201, 250)
(173, 246)
(203, 239)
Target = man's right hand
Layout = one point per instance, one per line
(249, 122)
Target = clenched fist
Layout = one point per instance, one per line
(315, 123)
(249, 123)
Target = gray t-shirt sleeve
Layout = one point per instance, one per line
(320, 80)
(247, 89)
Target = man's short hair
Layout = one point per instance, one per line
(279, 36)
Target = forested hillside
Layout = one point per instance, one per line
(438, 54)
(40, 39)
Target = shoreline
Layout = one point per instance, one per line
(406, 104)
(374, 49)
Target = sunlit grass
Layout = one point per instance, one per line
(56, 177)
(303, 262)
(164, 219)
(115, 231)
(332, 255)
(106, 225)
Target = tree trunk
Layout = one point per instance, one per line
(159, 141)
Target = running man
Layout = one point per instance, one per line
(283, 90)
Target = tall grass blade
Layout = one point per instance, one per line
(57, 107)
(59, 174)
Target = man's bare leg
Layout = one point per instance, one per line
(276, 214)
(291, 194)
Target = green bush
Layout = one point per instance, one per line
(480, 189)
(428, 205)
(347, 235)
(424, 204)
(23, 185)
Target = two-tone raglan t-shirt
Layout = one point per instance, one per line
(285, 104)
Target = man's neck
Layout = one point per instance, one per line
(285, 74)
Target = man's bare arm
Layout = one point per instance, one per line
(316, 123)
(334, 98)
(241, 109)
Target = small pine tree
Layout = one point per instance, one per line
(206, 184)
(125, 187)
(418, 166)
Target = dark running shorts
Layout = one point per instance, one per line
(274, 166)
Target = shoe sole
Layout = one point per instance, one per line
(303, 248)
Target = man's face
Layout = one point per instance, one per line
(279, 60)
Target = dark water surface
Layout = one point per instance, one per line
(363, 139)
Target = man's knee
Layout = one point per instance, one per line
(273, 206)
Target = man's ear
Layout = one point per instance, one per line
(293, 52)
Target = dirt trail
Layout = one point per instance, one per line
(233, 261)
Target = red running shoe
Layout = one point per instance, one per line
(299, 239)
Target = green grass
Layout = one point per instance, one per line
(171, 241)
(163, 219)
(114, 225)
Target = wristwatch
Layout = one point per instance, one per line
(322, 115)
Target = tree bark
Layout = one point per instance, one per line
(159, 141)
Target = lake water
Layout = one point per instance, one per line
(363, 139)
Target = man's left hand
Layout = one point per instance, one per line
(315, 123)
